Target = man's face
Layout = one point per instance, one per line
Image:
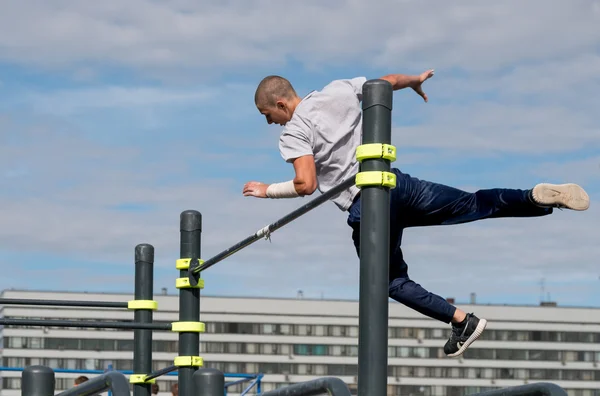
(278, 114)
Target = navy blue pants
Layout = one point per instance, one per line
(418, 203)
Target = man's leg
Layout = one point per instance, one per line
(424, 203)
(401, 287)
(466, 327)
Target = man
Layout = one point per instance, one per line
(80, 380)
(320, 136)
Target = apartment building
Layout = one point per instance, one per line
(294, 340)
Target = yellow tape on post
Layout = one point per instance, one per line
(182, 264)
(142, 304)
(188, 361)
(192, 327)
(375, 178)
(184, 283)
(376, 150)
(140, 379)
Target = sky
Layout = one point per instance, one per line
(117, 116)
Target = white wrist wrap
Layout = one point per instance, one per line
(282, 190)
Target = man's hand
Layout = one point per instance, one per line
(401, 81)
(255, 189)
(417, 83)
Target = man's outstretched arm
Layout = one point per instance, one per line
(401, 81)
(304, 183)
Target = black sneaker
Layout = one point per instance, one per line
(463, 335)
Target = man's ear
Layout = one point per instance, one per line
(281, 105)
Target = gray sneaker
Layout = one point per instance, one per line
(568, 196)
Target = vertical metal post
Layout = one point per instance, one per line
(37, 381)
(189, 301)
(209, 382)
(374, 246)
(110, 368)
(143, 306)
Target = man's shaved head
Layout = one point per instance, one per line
(271, 89)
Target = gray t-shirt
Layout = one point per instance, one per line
(328, 125)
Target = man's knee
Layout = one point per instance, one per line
(399, 284)
(355, 235)
(405, 291)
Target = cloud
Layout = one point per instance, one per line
(583, 171)
(69, 102)
(216, 36)
(476, 36)
(156, 117)
(69, 206)
(492, 127)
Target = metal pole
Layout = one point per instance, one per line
(113, 380)
(196, 268)
(326, 385)
(209, 382)
(37, 381)
(374, 246)
(110, 368)
(189, 303)
(536, 389)
(162, 372)
(128, 325)
(62, 303)
(143, 306)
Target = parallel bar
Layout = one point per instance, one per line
(189, 298)
(240, 381)
(196, 268)
(61, 303)
(142, 338)
(259, 386)
(161, 372)
(209, 382)
(171, 371)
(537, 389)
(374, 246)
(327, 385)
(250, 386)
(112, 380)
(87, 324)
(37, 381)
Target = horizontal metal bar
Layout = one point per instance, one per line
(112, 380)
(535, 389)
(250, 386)
(63, 303)
(195, 268)
(91, 324)
(240, 381)
(161, 372)
(327, 385)
(127, 372)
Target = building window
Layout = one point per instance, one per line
(301, 330)
(353, 331)
(336, 350)
(319, 350)
(300, 349)
(268, 329)
(251, 348)
(285, 329)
